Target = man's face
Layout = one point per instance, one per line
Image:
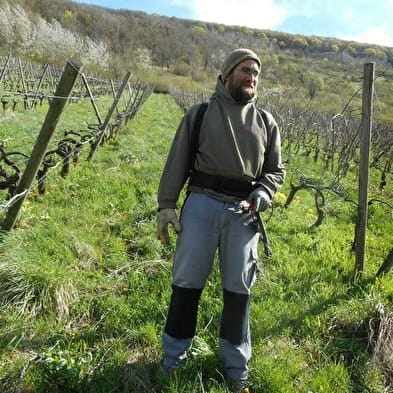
(242, 83)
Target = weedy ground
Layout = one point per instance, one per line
(85, 284)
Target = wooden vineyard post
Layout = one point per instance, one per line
(365, 141)
(4, 68)
(22, 78)
(39, 85)
(92, 99)
(62, 94)
(108, 117)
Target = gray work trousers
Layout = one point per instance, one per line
(209, 225)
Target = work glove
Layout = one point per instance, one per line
(259, 200)
(165, 217)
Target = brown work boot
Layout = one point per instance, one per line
(240, 386)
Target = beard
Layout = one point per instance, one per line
(241, 93)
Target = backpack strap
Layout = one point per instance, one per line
(265, 122)
(194, 143)
(264, 116)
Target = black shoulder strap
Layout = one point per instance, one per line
(195, 133)
(264, 116)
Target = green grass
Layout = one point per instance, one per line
(84, 283)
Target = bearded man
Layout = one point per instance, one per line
(232, 173)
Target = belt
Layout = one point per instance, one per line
(223, 185)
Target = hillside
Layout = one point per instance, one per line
(173, 40)
(118, 39)
(176, 54)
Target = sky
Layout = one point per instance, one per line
(364, 21)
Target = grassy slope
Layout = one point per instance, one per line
(84, 286)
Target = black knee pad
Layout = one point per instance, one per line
(182, 314)
(234, 318)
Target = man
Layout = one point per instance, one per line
(237, 164)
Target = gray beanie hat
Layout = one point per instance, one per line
(236, 57)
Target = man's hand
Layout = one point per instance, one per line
(259, 200)
(164, 218)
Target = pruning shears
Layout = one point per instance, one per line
(245, 206)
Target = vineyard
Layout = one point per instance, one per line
(84, 283)
(32, 84)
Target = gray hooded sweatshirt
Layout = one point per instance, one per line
(234, 143)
